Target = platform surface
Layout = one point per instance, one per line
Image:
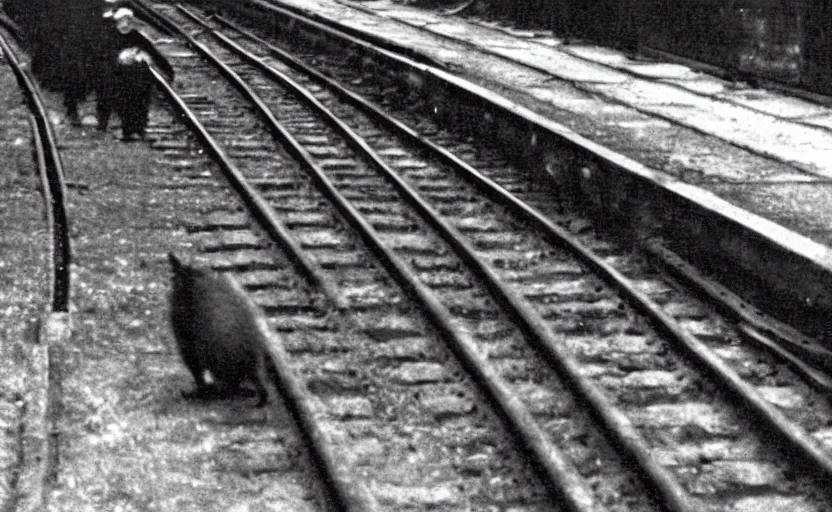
(765, 151)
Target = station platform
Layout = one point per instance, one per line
(766, 151)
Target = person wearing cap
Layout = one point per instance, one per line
(124, 81)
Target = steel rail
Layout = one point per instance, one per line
(377, 41)
(53, 189)
(542, 337)
(796, 438)
(567, 486)
(260, 209)
(805, 355)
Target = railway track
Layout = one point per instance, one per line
(52, 186)
(618, 188)
(524, 361)
(28, 451)
(404, 363)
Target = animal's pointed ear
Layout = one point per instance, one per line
(175, 262)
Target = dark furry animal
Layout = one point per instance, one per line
(219, 330)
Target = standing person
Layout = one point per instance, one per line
(124, 82)
(64, 40)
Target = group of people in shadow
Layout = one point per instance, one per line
(82, 47)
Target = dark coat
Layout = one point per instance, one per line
(65, 40)
(126, 88)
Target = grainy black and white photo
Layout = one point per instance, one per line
(416, 255)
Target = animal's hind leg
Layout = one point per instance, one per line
(262, 393)
(260, 380)
(203, 388)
